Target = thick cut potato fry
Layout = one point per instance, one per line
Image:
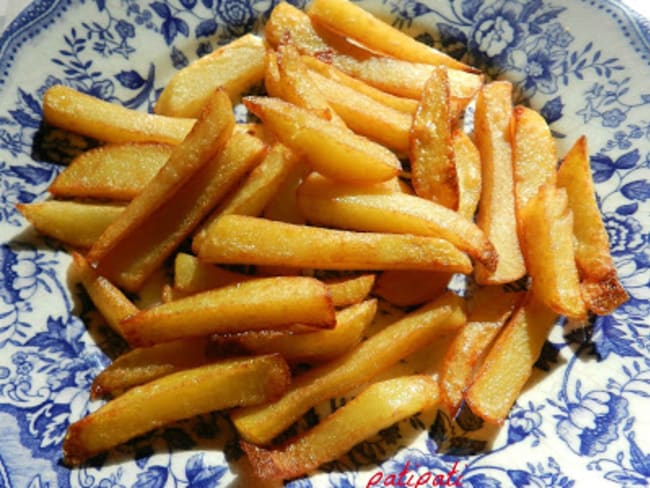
(408, 287)
(328, 148)
(496, 213)
(237, 239)
(193, 276)
(77, 112)
(550, 257)
(348, 291)
(488, 310)
(261, 424)
(108, 299)
(350, 20)
(283, 206)
(468, 171)
(206, 138)
(264, 303)
(433, 173)
(234, 67)
(321, 345)
(377, 407)
(73, 223)
(113, 171)
(141, 252)
(367, 208)
(509, 363)
(181, 395)
(601, 288)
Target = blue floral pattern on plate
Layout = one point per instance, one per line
(582, 63)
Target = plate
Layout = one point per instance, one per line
(583, 64)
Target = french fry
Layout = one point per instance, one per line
(237, 239)
(77, 112)
(496, 213)
(509, 363)
(365, 208)
(318, 346)
(283, 206)
(350, 20)
(234, 67)
(113, 171)
(263, 303)
(488, 310)
(600, 286)
(348, 291)
(108, 299)
(433, 173)
(261, 424)
(139, 253)
(181, 395)
(377, 407)
(328, 148)
(207, 137)
(409, 287)
(74, 223)
(550, 257)
(193, 276)
(468, 171)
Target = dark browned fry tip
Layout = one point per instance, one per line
(488, 257)
(262, 461)
(97, 391)
(604, 296)
(73, 452)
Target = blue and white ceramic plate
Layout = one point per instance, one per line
(583, 63)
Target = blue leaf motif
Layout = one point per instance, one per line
(101, 5)
(481, 481)
(637, 190)
(182, 27)
(24, 119)
(609, 339)
(602, 168)
(548, 16)
(188, 4)
(130, 79)
(154, 477)
(194, 466)
(470, 8)
(31, 102)
(629, 209)
(207, 3)
(519, 477)
(201, 476)
(628, 160)
(162, 9)
(639, 461)
(34, 175)
(552, 110)
(529, 9)
(206, 28)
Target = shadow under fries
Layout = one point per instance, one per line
(58, 146)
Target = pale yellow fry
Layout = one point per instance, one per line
(237, 239)
(377, 407)
(74, 223)
(328, 148)
(496, 213)
(405, 288)
(509, 363)
(393, 343)
(71, 110)
(468, 170)
(234, 67)
(181, 395)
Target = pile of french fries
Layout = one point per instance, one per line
(358, 166)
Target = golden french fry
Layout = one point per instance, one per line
(376, 407)
(365, 208)
(263, 303)
(113, 171)
(194, 276)
(496, 213)
(261, 424)
(488, 310)
(433, 173)
(71, 110)
(74, 223)
(181, 395)
(348, 291)
(328, 148)
(237, 239)
(409, 287)
(600, 286)
(509, 363)
(283, 206)
(550, 257)
(234, 67)
(468, 171)
(140, 252)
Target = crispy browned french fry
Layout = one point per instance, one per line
(377, 407)
(234, 67)
(468, 171)
(261, 424)
(328, 148)
(237, 239)
(206, 138)
(600, 286)
(181, 395)
(74, 223)
(71, 110)
(409, 287)
(550, 257)
(509, 363)
(142, 251)
(488, 310)
(366, 208)
(263, 303)
(496, 213)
